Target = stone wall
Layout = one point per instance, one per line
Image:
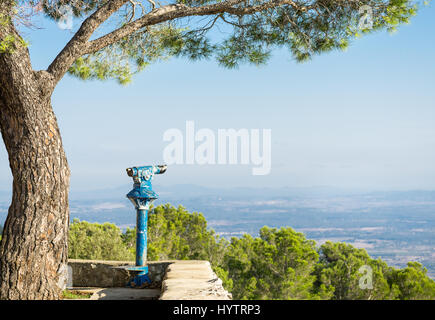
(179, 279)
(108, 274)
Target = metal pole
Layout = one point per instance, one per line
(141, 237)
(142, 196)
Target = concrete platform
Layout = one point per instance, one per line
(192, 280)
(178, 279)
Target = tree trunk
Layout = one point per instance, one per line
(34, 247)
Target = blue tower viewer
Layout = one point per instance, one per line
(142, 196)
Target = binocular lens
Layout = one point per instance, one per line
(133, 171)
(130, 172)
(162, 168)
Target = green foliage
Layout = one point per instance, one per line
(7, 44)
(413, 283)
(320, 27)
(223, 274)
(10, 43)
(174, 233)
(74, 294)
(4, 20)
(130, 55)
(339, 267)
(129, 240)
(52, 8)
(97, 242)
(279, 264)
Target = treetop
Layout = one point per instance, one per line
(117, 38)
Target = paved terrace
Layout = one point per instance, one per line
(172, 280)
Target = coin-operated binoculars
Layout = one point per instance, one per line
(142, 196)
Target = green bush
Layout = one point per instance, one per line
(97, 242)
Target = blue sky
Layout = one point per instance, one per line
(364, 118)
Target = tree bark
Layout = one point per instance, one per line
(34, 245)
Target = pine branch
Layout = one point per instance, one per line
(76, 47)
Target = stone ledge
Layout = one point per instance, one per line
(192, 280)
